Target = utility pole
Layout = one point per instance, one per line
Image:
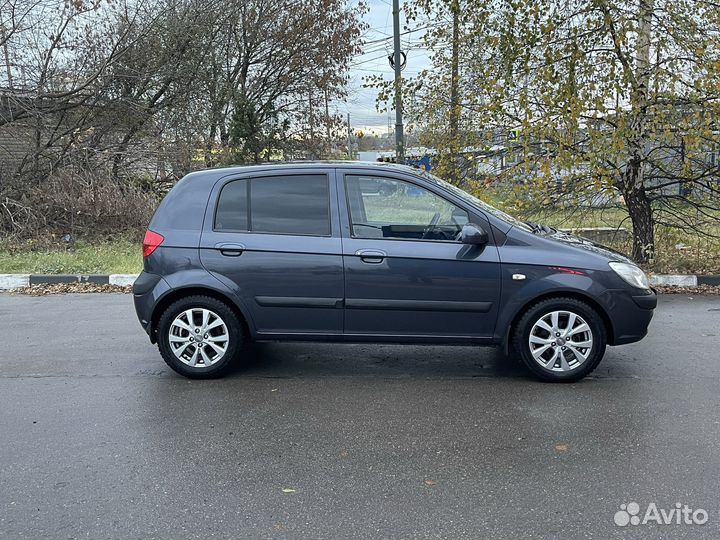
(455, 96)
(349, 137)
(328, 137)
(312, 131)
(397, 61)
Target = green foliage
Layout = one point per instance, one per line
(255, 136)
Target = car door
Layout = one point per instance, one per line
(406, 272)
(274, 237)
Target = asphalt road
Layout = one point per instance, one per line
(99, 439)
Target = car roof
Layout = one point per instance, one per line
(315, 164)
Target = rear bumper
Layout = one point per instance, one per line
(630, 314)
(147, 289)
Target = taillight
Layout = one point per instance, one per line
(151, 242)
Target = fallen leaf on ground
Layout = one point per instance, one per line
(46, 289)
(698, 289)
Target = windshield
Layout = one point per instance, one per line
(472, 199)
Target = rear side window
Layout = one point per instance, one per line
(276, 204)
(232, 209)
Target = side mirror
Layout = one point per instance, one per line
(473, 234)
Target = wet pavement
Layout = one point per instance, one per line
(99, 439)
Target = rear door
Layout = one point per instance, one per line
(274, 237)
(406, 272)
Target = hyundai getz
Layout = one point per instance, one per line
(369, 252)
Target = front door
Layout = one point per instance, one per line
(406, 272)
(274, 238)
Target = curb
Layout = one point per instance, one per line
(17, 281)
(685, 281)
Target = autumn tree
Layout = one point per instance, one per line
(607, 96)
(108, 99)
(272, 57)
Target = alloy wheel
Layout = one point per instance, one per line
(561, 341)
(199, 337)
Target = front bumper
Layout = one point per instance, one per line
(646, 301)
(630, 314)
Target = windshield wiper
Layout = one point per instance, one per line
(540, 228)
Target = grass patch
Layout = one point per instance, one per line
(116, 257)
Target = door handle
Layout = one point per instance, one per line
(371, 256)
(230, 250)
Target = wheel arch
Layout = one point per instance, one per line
(197, 290)
(601, 311)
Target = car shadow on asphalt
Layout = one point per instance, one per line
(291, 360)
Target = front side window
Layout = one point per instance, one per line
(388, 208)
(297, 204)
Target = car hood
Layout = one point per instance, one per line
(588, 245)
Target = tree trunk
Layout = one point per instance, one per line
(633, 188)
(641, 214)
(210, 143)
(120, 153)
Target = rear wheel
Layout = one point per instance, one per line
(560, 339)
(199, 337)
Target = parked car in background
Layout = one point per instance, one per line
(368, 252)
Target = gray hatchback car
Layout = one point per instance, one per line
(369, 252)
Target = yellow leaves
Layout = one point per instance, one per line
(546, 168)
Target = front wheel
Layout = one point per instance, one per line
(560, 339)
(199, 337)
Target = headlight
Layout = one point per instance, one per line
(631, 274)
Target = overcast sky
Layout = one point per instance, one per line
(374, 61)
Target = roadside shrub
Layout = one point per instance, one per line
(78, 202)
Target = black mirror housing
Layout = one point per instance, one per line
(473, 234)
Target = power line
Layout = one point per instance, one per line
(368, 60)
(380, 40)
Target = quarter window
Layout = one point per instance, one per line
(388, 208)
(232, 209)
(276, 204)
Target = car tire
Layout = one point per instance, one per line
(560, 339)
(199, 337)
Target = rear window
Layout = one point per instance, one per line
(298, 204)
